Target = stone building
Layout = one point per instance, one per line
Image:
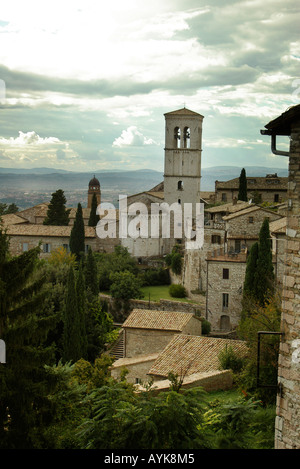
(287, 434)
(271, 188)
(187, 355)
(26, 229)
(225, 279)
(145, 333)
(243, 227)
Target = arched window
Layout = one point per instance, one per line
(177, 137)
(187, 138)
(180, 185)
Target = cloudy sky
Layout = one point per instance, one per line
(84, 84)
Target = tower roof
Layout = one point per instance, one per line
(183, 112)
(94, 182)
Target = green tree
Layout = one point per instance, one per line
(71, 334)
(262, 318)
(264, 274)
(5, 210)
(259, 277)
(123, 419)
(57, 214)
(125, 286)
(82, 311)
(242, 194)
(94, 218)
(24, 384)
(118, 261)
(249, 290)
(77, 236)
(91, 273)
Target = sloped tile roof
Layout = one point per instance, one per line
(250, 209)
(46, 230)
(163, 320)
(278, 226)
(230, 207)
(12, 219)
(276, 183)
(193, 354)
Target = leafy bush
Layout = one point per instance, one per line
(230, 360)
(177, 291)
(154, 277)
(206, 326)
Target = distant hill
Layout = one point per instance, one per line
(133, 181)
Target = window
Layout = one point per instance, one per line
(225, 301)
(187, 138)
(180, 185)
(46, 248)
(25, 247)
(87, 248)
(224, 197)
(237, 245)
(276, 197)
(216, 239)
(226, 273)
(66, 247)
(177, 137)
(250, 219)
(179, 201)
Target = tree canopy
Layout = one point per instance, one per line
(77, 237)
(57, 214)
(242, 194)
(23, 326)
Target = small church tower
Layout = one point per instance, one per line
(94, 188)
(183, 148)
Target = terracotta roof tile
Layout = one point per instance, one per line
(165, 320)
(12, 219)
(46, 230)
(193, 354)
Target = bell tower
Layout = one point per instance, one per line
(183, 148)
(94, 188)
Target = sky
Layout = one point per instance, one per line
(84, 85)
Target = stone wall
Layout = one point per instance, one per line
(224, 317)
(287, 435)
(161, 305)
(145, 341)
(137, 368)
(20, 243)
(209, 381)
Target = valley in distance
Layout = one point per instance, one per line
(29, 187)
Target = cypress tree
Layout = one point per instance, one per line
(57, 214)
(71, 333)
(249, 290)
(81, 304)
(242, 194)
(259, 277)
(94, 218)
(77, 236)
(24, 382)
(264, 275)
(91, 274)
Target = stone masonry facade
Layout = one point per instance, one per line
(287, 425)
